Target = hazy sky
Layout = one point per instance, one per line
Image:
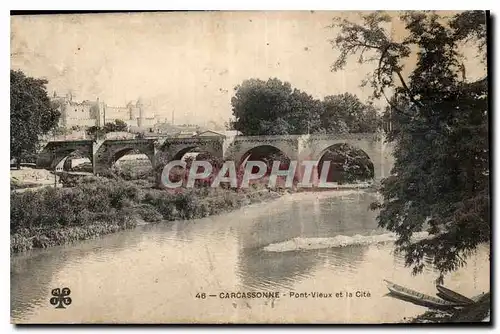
(187, 62)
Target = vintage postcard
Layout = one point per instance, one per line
(246, 167)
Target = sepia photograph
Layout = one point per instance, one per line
(250, 167)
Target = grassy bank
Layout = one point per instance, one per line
(98, 206)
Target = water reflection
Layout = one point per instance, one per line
(152, 273)
(343, 258)
(306, 218)
(32, 272)
(265, 270)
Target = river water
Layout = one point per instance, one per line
(160, 273)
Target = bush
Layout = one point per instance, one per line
(98, 206)
(149, 213)
(134, 170)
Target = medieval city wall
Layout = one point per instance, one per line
(96, 113)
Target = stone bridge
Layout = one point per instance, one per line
(103, 154)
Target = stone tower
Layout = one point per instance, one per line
(99, 113)
(140, 106)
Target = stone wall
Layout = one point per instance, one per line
(97, 113)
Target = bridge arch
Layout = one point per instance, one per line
(348, 163)
(131, 163)
(120, 153)
(83, 159)
(62, 156)
(240, 147)
(55, 152)
(110, 151)
(176, 148)
(195, 149)
(264, 152)
(374, 145)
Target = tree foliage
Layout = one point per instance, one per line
(31, 114)
(273, 107)
(117, 126)
(439, 125)
(347, 164)
(346, 113)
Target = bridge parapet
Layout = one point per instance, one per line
(267, 138)
(129, 141)
(344, 136)
(62, 143)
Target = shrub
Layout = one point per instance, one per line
(163, 202)
(98, 206)
(149, 213)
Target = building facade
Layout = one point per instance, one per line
(97, 113)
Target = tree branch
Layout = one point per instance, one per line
(412, 99)
(382, 88)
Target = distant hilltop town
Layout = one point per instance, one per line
(76, 117)
(97, 113)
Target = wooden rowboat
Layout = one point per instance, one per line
(418, 298)
(453, 296)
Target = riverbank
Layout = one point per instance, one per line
(27, 178)
(474, 313)
(50, 217)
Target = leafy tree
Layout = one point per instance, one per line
(332, 118)
(109, 127)
(117, 126)
(120, 126)
(371, 121)
(273, 107)
(440, 179)
(346, 113)
(32, 115)
(304, 113)
(95, 131)
(278, 126)
(471, 26)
